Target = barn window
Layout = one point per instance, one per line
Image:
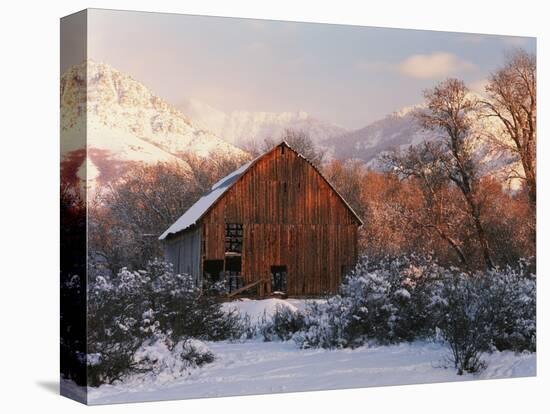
(233, 276)
(233, 238)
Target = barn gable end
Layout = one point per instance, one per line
(219, 189)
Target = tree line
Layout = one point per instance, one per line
(437, 196)
(431, 198)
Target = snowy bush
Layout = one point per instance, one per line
(164, 359)
(132, 307)
(410, 298)
(462, 321)
(511, 308)
(282, 325)
(73, 328)
(387, 302)
(486, 311)
(323, 325)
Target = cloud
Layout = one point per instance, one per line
(430, 66)
(434, 66)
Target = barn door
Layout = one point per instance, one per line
(213, 270)
(233, 276)
(278, 279)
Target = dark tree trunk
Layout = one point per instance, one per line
(454, 245)
(483, 242)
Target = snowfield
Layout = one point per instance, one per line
(256, 367)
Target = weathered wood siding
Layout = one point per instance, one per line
(184, 252)
(291, 217)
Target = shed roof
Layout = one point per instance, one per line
(203, 205)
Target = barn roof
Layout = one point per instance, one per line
(203, 205)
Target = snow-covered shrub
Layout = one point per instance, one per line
(511, 307)
(73, 328)
(323, 325)
(114, 331)
(416, 283)
(392, 299)
(485, 311)
(462, 321)
(132, 307)
(387, 301)
(408, 298)
(165, 359)
(244, 328)
(369, 310)
(282, 324)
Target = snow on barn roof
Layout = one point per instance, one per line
(202, 206)
(197, 210)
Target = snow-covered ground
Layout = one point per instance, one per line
(255, 367)
(257, 308)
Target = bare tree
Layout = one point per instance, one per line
(348, 177)
(126, 220)
(451, 111)
(301, 142)
(513, 101)
(425, 164)
(206, 171)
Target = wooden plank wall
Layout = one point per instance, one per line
(291, 217)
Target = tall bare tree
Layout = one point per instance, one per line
(348, 177)
(425, 164)
(450, 110)
(512, 92)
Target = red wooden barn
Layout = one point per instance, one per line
(274, 225)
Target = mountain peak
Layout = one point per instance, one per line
(126, 123)
(242, 127)
(408, 110)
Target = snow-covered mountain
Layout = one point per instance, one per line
(125, 123)
(400, 130)
(244, 127)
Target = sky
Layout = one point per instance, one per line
(348, 75)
